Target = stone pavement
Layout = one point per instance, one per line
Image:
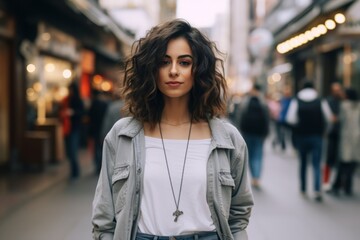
(17, 189)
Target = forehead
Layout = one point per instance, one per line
(178, 46)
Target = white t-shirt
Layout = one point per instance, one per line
(157, 204)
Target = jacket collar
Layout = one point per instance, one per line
(220, 133)
(307, 94)
(130, 127)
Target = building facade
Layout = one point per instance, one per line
(48, 44)
(318, 41)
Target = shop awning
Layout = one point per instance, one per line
(98, 17)
(281, 68)
(305, 17)
(297, 23)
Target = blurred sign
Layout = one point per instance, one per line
(57, 42)
(87, 61)
(352, 24)
(260, 41)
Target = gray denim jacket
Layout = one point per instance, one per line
(116, 204)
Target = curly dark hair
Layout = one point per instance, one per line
(142, 98)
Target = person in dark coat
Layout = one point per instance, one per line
(254, 125)
(310, 116)
(334, 100)
(96, 116)
(71, 114)
(349, 119)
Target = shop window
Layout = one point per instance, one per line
(48, 78)
(355, 76)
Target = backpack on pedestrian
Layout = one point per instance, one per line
(254, 118)
(311, 118)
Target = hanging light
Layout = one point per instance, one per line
(340, 18)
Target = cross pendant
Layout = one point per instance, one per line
(177, 213)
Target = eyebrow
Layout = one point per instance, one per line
(181, 56)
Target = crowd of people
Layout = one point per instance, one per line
(324, 131)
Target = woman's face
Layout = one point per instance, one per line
(175, 72)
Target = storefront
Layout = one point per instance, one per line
(7, 29)
(315, 47)
(350, 56)
(52, 44)
(52, 63)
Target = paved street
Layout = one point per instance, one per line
(281, 213)
(61, 213)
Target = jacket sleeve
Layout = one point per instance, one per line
(242, 198)
(103, 215)
(107, 123)
(291, 115)
(328, 115)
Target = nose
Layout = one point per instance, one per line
(173, 70)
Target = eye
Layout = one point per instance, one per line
(185, 63)
(165, 62)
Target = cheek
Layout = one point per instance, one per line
(190, 79)
(159, 83)
(160, 75)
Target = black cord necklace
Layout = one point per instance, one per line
(177, 212)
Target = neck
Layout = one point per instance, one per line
(176, 113)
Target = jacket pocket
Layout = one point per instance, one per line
(226, 179)
(227, 184)
(120, 186)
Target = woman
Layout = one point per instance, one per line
(349, 119)
(173, 170)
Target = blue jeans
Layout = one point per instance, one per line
(310, 145)
(255, 145)
(200, 236)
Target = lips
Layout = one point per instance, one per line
(173, 83)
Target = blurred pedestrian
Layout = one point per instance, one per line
(173, 168)
(310, 117)
(285, 133)
(233, 109)
(96, 115)
(71, 113)
(254, 125)
(274, 110)
(112, 115)
(333, 138)
(349, 142)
